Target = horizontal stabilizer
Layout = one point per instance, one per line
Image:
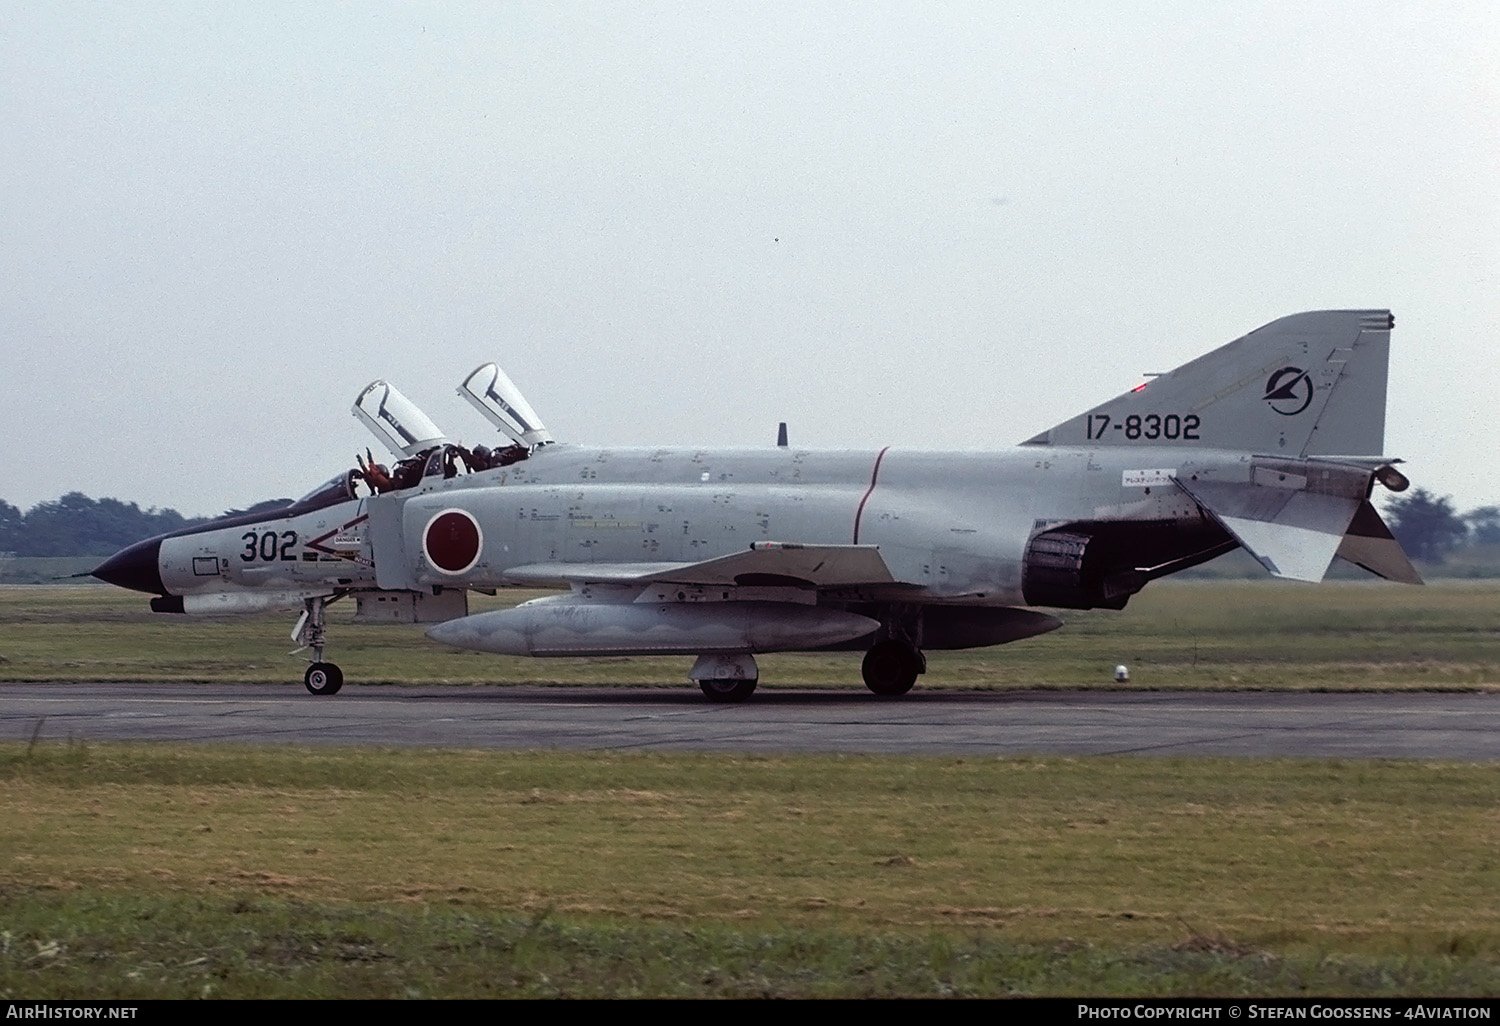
(1370, 545)
(778, 563)
(1292, 533)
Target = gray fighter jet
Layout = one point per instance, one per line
(1272, 443)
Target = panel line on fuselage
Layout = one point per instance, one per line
(874, 477)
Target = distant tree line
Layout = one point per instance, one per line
(76, 525)
(1429, 528)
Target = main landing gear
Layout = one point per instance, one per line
(891, 667)
(321, 678)
(726, 678)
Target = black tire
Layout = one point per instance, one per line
(323, 679)
(891, 667)
(728, 689)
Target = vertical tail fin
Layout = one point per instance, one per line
(1308, 384)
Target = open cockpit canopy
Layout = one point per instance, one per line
(394, 419)
(490, 391)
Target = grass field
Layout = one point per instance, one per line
(174, 871)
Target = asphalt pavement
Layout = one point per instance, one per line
(1458, 726)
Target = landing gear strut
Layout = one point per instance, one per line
(321, 678)
(891, 667)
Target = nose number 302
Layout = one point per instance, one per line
(269, 546)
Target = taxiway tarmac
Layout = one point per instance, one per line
(1412, 725)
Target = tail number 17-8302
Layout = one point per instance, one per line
(1150, 426)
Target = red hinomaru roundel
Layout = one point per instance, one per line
(452, 541)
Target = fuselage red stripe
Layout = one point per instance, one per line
(874, 477)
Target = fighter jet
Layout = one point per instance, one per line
(1272, 443)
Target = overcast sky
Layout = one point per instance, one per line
(921, 224)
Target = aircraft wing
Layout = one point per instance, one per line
(763, 563)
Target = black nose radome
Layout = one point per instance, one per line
(136, 567)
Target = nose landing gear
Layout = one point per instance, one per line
(321, 678)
